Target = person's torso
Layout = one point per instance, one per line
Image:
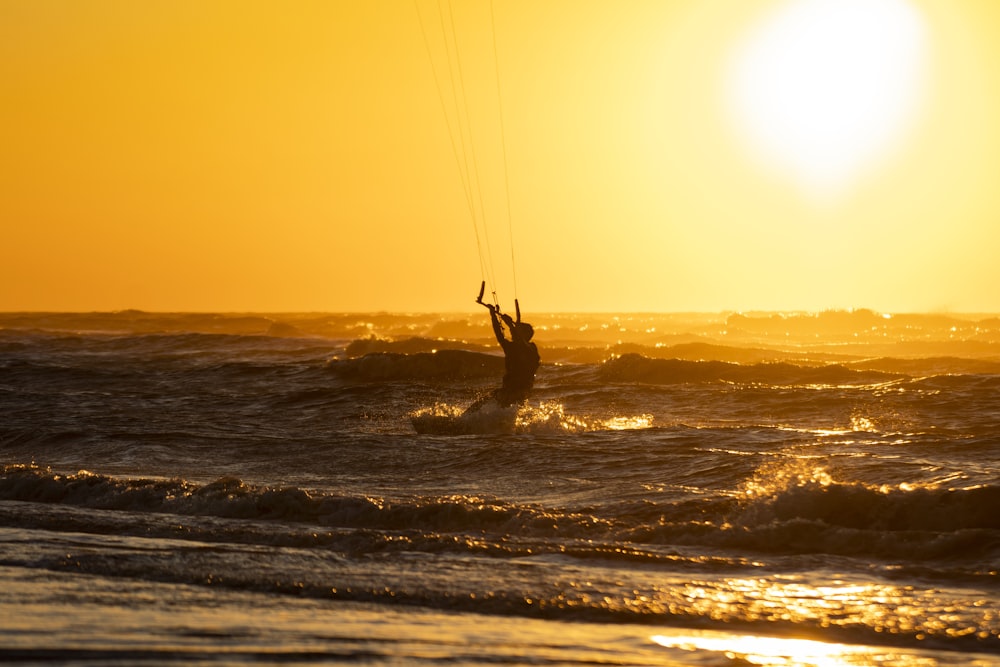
(521, 361)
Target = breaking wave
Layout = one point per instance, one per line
(456, 364)
(812, 515)
(545, 417)
(637, 368)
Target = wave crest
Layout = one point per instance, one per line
(231, 497)
(437, 365)
(546, 417)
(634, 367)
(807, 491)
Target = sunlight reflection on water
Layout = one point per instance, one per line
(780, 651)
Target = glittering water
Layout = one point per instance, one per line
(776, 490)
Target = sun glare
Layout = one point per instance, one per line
(820, 90)
(771, 651)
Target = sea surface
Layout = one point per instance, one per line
(814, 489)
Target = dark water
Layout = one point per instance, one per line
(682, 489)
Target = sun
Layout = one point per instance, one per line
(820, 90)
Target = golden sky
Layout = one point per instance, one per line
(660, 156)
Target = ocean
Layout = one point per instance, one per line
(814, 489)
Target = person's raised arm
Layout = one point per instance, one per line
(497, 327)
(494, 315)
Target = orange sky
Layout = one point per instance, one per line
(190, 155)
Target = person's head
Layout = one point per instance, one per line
(524, 331)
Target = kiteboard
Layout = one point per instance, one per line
(450, 420)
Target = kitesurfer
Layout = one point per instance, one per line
(521, 358)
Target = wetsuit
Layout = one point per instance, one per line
(521, 360)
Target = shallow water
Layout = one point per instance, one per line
(219, 488)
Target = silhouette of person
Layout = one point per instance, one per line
(521, 359)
